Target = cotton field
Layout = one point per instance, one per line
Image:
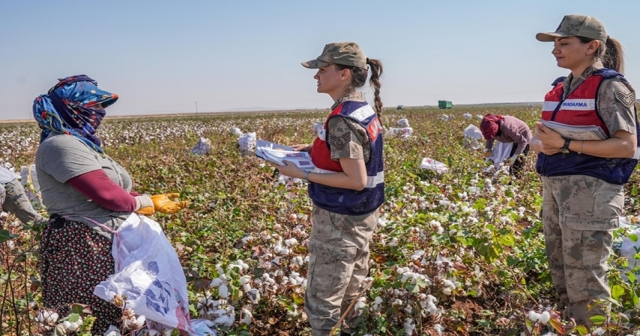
(456, 252)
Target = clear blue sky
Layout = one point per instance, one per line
(162, 56)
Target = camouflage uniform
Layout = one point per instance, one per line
(14, 200)
(339, 244)
(579, 212)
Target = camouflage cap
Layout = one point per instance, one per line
(576, 25)
(345, 53)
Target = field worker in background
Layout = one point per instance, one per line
(507, 129)
(14, 199)
(583, 181)
(86, 194)
(347, 187)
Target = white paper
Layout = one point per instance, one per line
(576, 132)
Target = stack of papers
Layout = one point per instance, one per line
(278, 154)
(576, 132)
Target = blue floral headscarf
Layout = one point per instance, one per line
(70, 108)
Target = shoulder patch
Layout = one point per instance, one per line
(627, 99)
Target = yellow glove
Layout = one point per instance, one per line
(144, 205)
(164, 204)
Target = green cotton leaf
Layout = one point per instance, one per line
(633, 237)
(634, 190)
(73, 317)
(635, 299)
(6, 235)
(422, 283)
(507, 240)
(631, 277)
(597, 319)
(617, 291)
(582, 330)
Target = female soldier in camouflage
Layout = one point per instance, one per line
(583, 180)
(347, 186)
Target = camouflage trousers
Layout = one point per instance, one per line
(15, 201)
(338, 265)
(578, 214)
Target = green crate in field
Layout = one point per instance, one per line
(444, 104)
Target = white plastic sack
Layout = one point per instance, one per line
(236, 131)
(7, 175)
(431, 164)
(473, 132)
(501, 151)
(403, 123)
(148, 272)
(472, 137)
(404, 132)
(203, 147)
(247, 143)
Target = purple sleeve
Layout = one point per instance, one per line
(98, 187)
(516, 130)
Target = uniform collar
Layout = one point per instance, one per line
(354, 95)
(572, 83)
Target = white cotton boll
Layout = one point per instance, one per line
(297, 260)
(394, 242)
(438, 328)
(408, 309)
(151, 332)
(246, 287)
(544, 317)
(533, 316)
(73, 326)
(139, 322)
(291, 242)
(223, 291)
(215, 282)
(66, 325)
(224, 277)
(397, 302)
(447, 291)
(409, 326)
(377, 300)
(245, 279)
(246, 317)
(270, 281)
(306, 259)
(417, 255)
(402, 270)
(599, 331)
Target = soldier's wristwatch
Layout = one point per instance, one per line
(565, 148)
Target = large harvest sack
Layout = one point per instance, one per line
(149, 274)
(431, 164)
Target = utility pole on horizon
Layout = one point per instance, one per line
(196, 107)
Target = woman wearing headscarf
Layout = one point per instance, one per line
(583, 194)
(87, 195)
(507, 129)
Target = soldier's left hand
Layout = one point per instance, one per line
(551, 140)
